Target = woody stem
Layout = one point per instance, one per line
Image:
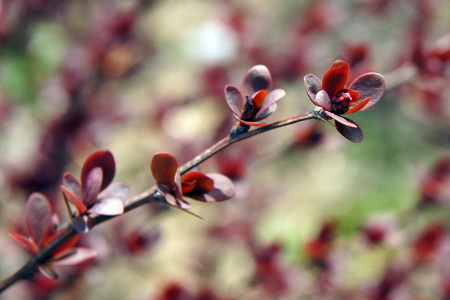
(146, 197)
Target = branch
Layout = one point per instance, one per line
(27, 271)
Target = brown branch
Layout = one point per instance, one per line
(151, 195)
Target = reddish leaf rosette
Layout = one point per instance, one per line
(210, 187)
(255, 100)
(332, 95)
(95, 194)
(42, 225)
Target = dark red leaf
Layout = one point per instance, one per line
(164, 168)
(103, 159)
(336, 77)
(202, 183)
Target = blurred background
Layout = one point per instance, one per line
(314, 217)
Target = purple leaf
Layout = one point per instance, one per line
(270, 102)
(74, 256)
(323, 100)
(256, 79)
(234, 99)
(313, 85)
(38, 217)
(341, 120)
(92, 186)
(369, 85)
(103, 159)
(354, 134)
(107, 207)
(72, 183)
(117, 190)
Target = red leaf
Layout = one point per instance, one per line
(270, 100)
(103, 159)
(26, 242)
(71, 198)
(164, 168)
(67, 245)
(38, 217)
(74, 256)
(202, 183)
(336, 77)
(258, 98)
(358, 106)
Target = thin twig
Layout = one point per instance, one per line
(146, 197)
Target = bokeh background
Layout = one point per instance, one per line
(314, 217)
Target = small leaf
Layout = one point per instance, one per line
(256, 79)
(92, 186)
(38, 217)
(323, 100)
(313, 85)
(71, 198)
(197, 183)
(74, 256)
(354, 134)
(83, 224)
(224, 189)
(369, 85)
(103, 159)
(107, 207)
(336, 77)
(234, 99)
(117, 190)
(25, 242)
(258, 99)
(341, 120)
(358, 106)
(48, 272)
(71, 182)
(270, 101)
(164, 168)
